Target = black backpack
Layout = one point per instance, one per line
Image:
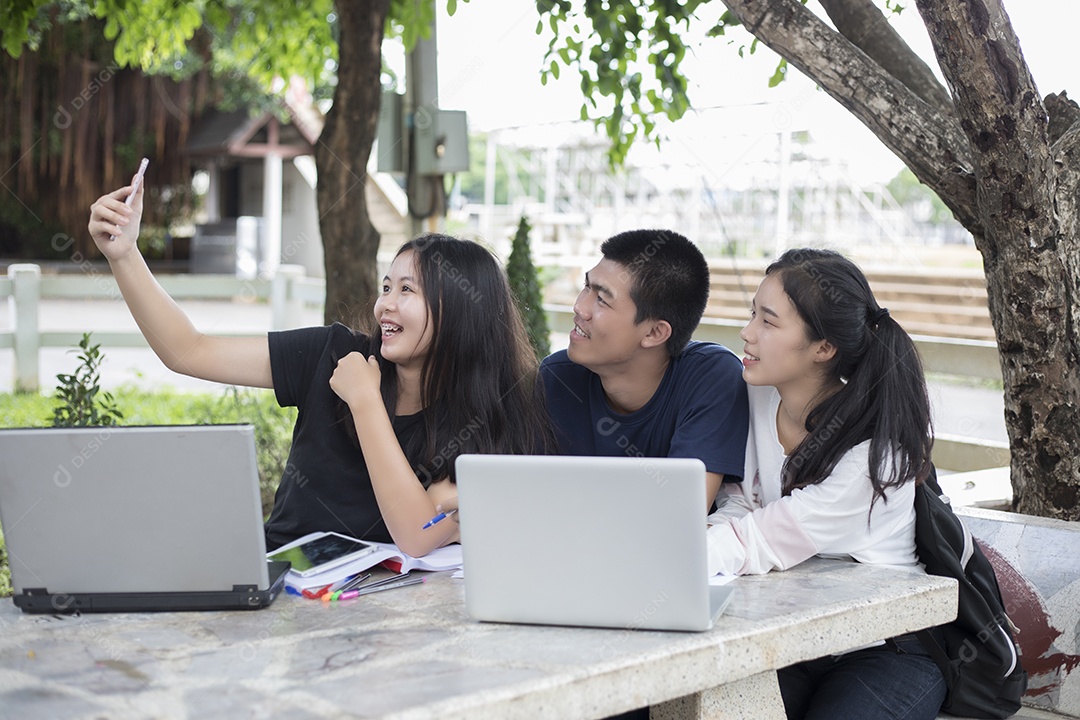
(979, 657)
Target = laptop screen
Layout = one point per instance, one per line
(132, 509)
(594, 541)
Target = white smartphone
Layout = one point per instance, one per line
(326, 551)
(137, 181)
(135, 185)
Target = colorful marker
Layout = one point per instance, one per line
(379, 588)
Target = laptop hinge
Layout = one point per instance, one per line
(245, 588)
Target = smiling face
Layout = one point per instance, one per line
(778, 351)
(403, 314)
(604, 331)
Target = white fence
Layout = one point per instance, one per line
(290, 290)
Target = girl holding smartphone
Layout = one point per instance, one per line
(382, 415)
(839, 437)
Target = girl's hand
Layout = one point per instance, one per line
(450, 506)
(356, 380)
(109, 217)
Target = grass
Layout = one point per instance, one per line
(273, 427)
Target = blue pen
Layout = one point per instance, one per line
(438, 518)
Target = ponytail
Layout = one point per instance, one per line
(882, 396)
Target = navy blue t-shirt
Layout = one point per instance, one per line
(698, 411)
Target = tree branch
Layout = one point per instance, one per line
(861, 22)
(1000, 111)
(1063, 114)
(929, 142)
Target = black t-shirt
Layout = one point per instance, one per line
(325, 485)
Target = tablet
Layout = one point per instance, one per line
(323, 551)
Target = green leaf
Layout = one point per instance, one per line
(780, 75)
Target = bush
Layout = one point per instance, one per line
(80, 400)
(528, 293)
(5, 571)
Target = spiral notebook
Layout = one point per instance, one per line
(110, 519)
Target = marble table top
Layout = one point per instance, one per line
(413, 653)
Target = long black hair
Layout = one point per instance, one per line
(479, 385)
(882, 396)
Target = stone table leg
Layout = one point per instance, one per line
(754, 698)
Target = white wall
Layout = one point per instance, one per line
(301, 242)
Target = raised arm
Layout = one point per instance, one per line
(237, 361)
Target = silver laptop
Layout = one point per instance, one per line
(587, 541)
(134, 519)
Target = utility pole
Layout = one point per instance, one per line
(422, 141)
(425, 191)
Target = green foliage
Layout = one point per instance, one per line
(780, 75)
(278, 39)
(473, 182)
(81, 402)
(16, 25)
(909, 191)
(628, 54)
(5, 571)
(411, 20)
(527, 291)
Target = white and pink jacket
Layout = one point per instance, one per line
(755, 530)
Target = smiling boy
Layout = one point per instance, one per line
(631, 382)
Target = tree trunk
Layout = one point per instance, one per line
(350, 241)
(990, 160)
(1028, 205)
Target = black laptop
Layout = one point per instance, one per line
(135, 519)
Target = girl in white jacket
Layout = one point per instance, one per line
(839, 437)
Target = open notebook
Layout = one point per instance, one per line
(134, 519)
(591, 541)
(386, 554)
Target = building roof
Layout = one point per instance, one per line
(240, 133)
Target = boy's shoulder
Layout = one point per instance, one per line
(559, 363)
(559, 357)
(699, 354)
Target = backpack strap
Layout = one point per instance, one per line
(934, 650)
